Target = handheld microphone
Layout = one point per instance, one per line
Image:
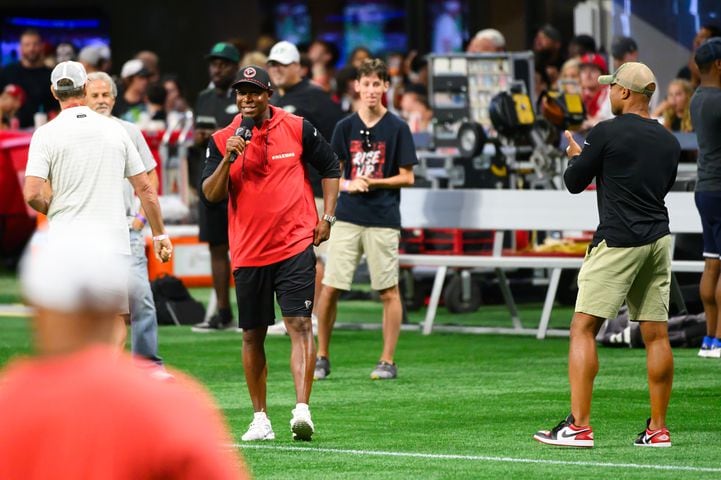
(245, 131)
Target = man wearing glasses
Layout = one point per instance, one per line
(377, 153)
(272, 228)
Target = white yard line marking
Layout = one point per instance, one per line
(477, 458)
(14, 310)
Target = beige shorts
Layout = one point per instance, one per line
(321, 251)
(639, 275)
(348, 242)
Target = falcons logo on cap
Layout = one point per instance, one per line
(249, 72)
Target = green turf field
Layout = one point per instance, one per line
(464, 406)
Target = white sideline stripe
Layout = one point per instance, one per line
(477, 458)
(15, 310)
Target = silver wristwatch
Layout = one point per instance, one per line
(329, 218)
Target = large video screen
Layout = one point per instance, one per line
(447, 22)
(292, 22)
(78, 30)
(376, 25)
(678, 19)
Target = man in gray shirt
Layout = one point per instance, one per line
(101, 93)
(706, 120)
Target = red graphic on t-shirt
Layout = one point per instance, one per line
(367, 163)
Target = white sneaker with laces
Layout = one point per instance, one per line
(301, 425)
(566, 434)
(259, 429)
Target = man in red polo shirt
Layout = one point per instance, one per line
(272, 227)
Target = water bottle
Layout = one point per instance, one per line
(40, 118)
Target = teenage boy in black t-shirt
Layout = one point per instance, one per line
(377, 154)
(634, 161)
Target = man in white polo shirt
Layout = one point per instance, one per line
(76, 167)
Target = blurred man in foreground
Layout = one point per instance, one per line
(81, 410)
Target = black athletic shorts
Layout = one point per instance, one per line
(292, 281)
(709, 208)
(213, 223)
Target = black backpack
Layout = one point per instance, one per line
(683, 331)
(173, 303)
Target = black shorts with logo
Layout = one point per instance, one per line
(292, 281)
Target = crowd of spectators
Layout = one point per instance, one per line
(147, 96)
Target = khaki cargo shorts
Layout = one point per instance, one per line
(639, 275)
(348, 242)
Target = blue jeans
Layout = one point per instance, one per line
(143, 320)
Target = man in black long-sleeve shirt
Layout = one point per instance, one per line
(634, 161)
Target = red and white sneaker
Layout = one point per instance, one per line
(653, 438)
(566, 434)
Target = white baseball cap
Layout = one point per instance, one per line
(74, 272)
(93, 54)
(73, 71)
(284, 53)
(133, 67)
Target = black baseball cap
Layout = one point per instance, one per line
(623, 45)
(708, 51)
(225, 51)
(551, 32)
(253, 75)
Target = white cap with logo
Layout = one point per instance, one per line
(133, 67)
(284, 53)
(73, 71)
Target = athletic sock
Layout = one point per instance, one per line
(302, 406)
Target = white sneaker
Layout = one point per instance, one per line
(259, 429)
(301, 425)
(278, 328)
